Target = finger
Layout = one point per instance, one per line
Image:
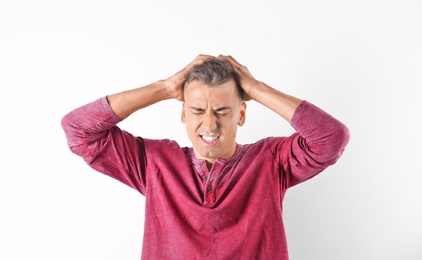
(234, 60)
(206, 56)
(203, 57)
(199, 59)
(231, 60)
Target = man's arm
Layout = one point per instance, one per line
(80, 125)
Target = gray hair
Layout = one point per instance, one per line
(213, 72)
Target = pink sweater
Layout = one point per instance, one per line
(233, 211)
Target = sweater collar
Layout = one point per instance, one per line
(238, 153)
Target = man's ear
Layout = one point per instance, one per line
(242, 117)
(183, 118)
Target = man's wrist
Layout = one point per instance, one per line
(254, 89)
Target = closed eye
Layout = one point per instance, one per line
(197, 110)
(222, 111)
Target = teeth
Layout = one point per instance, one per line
(209, 138)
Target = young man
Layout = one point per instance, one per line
(218, 199)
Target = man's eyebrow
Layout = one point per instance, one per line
(196, 108)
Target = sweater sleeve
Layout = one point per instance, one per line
(319, 142)
(92, 133)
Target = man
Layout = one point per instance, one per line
(218, 199)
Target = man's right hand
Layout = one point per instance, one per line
(175, 83)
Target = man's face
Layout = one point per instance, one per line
(211, 115)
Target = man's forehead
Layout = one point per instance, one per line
(199, 88)
(229, 89)
(198, 82)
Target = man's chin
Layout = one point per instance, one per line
(207, 154)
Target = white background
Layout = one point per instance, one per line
(361, 61)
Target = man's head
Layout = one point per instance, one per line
(213, 72)
(213, 108)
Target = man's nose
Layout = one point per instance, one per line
(210, 121)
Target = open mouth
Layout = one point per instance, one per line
(209, 139)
